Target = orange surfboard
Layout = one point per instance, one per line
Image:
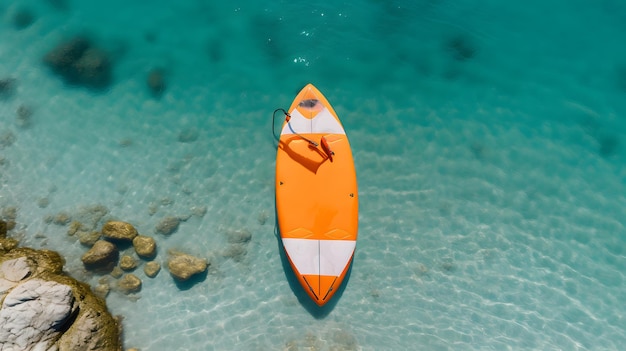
(316, 195)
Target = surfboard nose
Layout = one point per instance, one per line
(309, 101)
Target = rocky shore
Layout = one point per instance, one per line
(42, 308)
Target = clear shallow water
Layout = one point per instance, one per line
(488, 138)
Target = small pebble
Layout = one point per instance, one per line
(152, 268)
(129, 283)
(127, 263)
(168, 225)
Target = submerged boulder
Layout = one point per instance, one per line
(88, 238)
(168, 225)
(182, 266)
(102, 255)
(23, 116)
(152, 268)
(3, 228)
(7, 86)
(117, 230)
(129, 283)
(145, 246)
(79, 62)
(128, 263)
(238, 236)
(156, 82)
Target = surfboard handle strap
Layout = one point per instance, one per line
(287, 115)
(287, 118)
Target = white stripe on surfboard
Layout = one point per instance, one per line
(323, 122)
(323, 257)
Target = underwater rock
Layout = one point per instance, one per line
(152, 268)
(7, 138)
(188, 135)
(127, 263)
(145, 246)
(168, 225)
(43, 309)
(23, 116)
(65, 55)
(43, 202)
(7, 244)
(22, 18)
(9, 215)
(117, 272)
(61, 218)
(238, 240)
(117, 230)
(238, 236)
(263, 217)
(460, 48)
(74, 227)
(129, 283)
(156, 82)
(182, 266)
(102, 290)
(88, 238)
(78, 62)
(126, 142)
(7, 87)
(237, 252)
(3, 229)
(199, 211)
(102, 255)
(94, 67)
(91, 215)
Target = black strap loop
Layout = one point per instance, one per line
(287, 118)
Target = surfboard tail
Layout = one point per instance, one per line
(320, 265)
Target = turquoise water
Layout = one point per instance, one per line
(488, 138)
